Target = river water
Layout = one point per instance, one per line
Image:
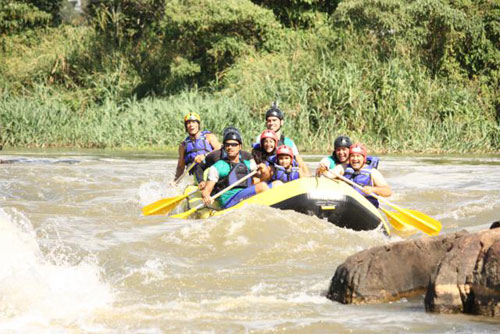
(76, 256)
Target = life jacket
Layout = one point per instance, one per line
(238, 171)
(372, 161)
(362, 178)
(192, 148)
(281, 174)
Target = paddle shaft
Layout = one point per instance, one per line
(394, 206)
(158, 207)
(234, 185)
(184, 173)
(191, 211)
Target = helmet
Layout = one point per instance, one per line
(358, 148)
(192, 116)
(275, 112)
(230, 129)
(342, 141)
(231, 135)
(285, 150)
(268, 134)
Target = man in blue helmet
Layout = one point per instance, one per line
(228, 171)
(274, 121)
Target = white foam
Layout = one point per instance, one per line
(34, 291)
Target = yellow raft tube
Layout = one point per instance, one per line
(334, 200)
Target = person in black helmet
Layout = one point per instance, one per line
(340, 155)
(274, 121)
(215, 156)
(227, 171)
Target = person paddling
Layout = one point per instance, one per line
(266, 147)
(213, 157)
(227, 171)
(196, 145)
(358, 171)
(274, 121)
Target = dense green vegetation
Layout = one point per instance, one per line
(401, 76)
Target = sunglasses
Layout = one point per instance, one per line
(231, 144)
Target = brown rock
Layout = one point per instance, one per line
(388, 273)
(459, 271)
(467, 278)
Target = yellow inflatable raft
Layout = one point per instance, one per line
(333, 200)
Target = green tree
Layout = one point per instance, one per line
(174, 43)
(17, 16)
(53, 7)
(300, 13)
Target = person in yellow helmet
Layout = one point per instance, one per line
(196, 145)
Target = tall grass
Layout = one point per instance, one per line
(156, 123)
(152, 122)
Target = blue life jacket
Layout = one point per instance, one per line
(192, 148)
(372, 161)
(238, 171)
(363, 178)
(280, 173)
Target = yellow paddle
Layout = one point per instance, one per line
(399, 224)
(413, 218)
(164, 206)
(188, 213)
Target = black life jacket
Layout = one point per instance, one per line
(238, 171)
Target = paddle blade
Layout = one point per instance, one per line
(423, 222)
(184, 215)
(415, 219)
(399, 224)
(163, 206)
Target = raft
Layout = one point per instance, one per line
(324, 198)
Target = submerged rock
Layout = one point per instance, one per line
(459, 272)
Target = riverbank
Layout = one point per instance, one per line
(156, 124)
(372, 70)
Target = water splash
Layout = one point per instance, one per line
(36, 291)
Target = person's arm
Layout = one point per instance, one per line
(180, 163)
(210, 159)
(213, 177)
(198, 170)
(380, 186)
(264, 173)
(304, 171)
(212, 139)
(324, 165)
(205, 194)
(337, 170)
